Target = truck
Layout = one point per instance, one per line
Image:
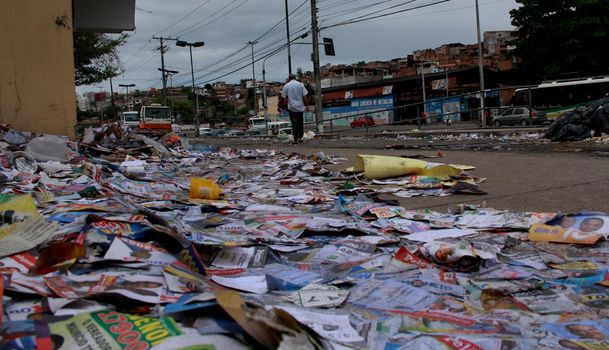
(269, 127)
(155, 118)
(130, 119)
(256, 123)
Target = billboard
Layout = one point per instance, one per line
(439, 110)
(379, 108)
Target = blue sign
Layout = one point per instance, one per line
(441, 109)
(379, 108)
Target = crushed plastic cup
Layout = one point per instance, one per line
(204, 189)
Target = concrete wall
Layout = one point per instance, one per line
(37, 91)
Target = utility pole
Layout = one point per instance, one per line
(287, 28)
(481, 68)
(163, 49)
(319, 117)
(112, 100)
(251, 43)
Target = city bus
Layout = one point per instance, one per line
(155, 117)
(556, 97)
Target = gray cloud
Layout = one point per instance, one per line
(380, 39)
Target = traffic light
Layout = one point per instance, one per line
(329, 47)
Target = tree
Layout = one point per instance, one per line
(184, 110)
(96, 57)
(559, 37)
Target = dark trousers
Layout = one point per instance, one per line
(297, 120)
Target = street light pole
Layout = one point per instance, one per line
(424, 95)
(251, 43)
(195, 108)
(287, 27)
(480, 67)
(127, 98)
(446, 80)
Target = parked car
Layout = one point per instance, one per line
(519, 116)
(362, 121)
(255, 132)
(234, 133)
(217, 132)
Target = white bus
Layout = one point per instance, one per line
(556, 97)
(256, 123)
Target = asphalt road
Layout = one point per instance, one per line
(432, 127)
(521, 175)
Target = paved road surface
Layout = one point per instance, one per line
(536, 177)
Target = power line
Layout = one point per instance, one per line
(280, 22)
(262, 52)
(216, 19)
(274, 27)
(340, 3)
(359, 19)
(138, 51)
(269, 52)
(356, 9)
(184, 17)
(204, 19)
(447, 10)
(143, 62)
(369, 13)
(246, 58)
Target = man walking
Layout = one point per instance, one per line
(295, 92)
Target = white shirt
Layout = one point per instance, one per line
(294, 91)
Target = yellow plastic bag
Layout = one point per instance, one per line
(204, 189)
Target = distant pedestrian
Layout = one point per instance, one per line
(294, 91)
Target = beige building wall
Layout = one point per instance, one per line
(37, 91)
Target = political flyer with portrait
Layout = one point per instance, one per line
(578, 229)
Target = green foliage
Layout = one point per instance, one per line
(96, 57)
(184, 110)
(559, 37)
(83, 115)
(108, 114)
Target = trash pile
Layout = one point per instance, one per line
(126, 242)
(581, 123)
(473, 136)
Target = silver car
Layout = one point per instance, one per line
(519, 116)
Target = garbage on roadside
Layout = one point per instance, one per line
(581, 123)
(410, 177)
(142, 243)
(469, 136)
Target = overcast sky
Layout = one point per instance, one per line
(227, 25)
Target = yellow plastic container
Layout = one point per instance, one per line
(204, 189)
